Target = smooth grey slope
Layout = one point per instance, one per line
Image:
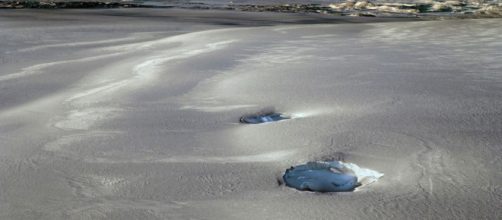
(139, 122)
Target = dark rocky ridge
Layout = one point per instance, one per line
(71, 4)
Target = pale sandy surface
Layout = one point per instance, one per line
(125, 115)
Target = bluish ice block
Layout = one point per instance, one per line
(262, 118)
(320, 177)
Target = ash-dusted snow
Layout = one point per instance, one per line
(115, 114)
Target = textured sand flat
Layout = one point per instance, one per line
(133, 114)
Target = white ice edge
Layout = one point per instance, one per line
(365, 176)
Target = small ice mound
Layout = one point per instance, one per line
(263, 118)
(328, 176)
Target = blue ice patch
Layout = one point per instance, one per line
(262, 118)
(328, 176)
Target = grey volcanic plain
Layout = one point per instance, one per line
(133, 114)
